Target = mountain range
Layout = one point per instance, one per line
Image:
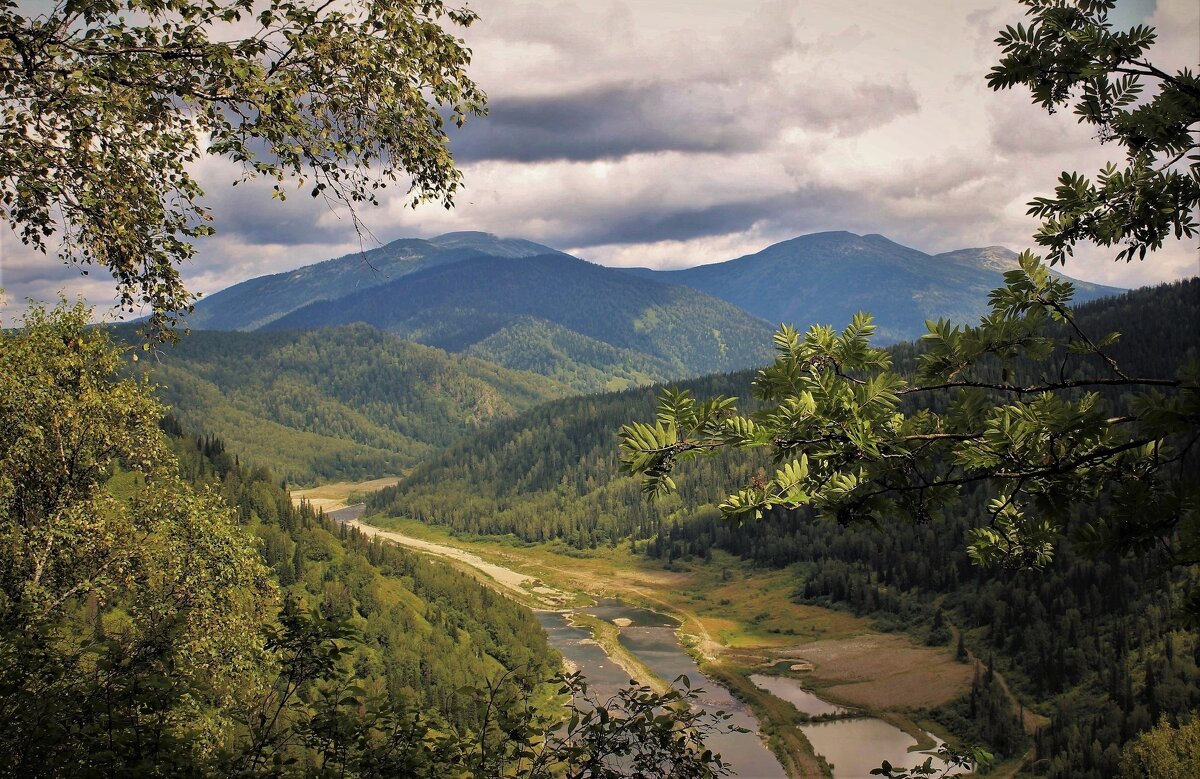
(345, 369)
(530, 307)
(826, 278)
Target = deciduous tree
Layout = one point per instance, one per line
(130, 603)
(106, 107)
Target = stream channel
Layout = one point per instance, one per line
(853, 746)
(651, 637)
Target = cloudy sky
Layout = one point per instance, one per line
(670, 133)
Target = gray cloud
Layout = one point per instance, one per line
(36, 269)
(618, 120)
(609, 123)
(785, 214)
(248, 211)
(1021, 129)
(851, 109)
(642, 225)
(687, 131)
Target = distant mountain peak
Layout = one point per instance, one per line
(490, 243)
(455, 235)
(827, 277)
(997, 258)
(256, 302)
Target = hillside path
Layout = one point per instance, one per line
(528, 587)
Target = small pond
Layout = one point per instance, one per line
(852, 746)
(856, 746)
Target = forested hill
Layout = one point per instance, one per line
(347, 402)
(529, 307)
(608, 321)
(418, 637)
(1094, 645)
(564, 453)
(255, 302)
(826, 277)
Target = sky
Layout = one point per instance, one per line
(673, 133)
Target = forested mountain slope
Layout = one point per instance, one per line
(586, 364)
(344, 402)
(677, 331)
(181, 617)
(529, 307)
(1095, 644)
(825, 278)
(255, 302)
(406, 610)
(572, 442)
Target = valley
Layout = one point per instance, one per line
(423, 390)
(722, 623)
(864, 619)
(900, 629)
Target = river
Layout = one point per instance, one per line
(852, 746)
(652, 638)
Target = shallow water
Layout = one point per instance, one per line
(788, 689)
(853, 746)
(604, 677)
(651, 636)
(610, 610)
(856, 746)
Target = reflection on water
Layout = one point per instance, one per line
(856, 746)
(652, 638)
(604, 677)
(613, 610)
(788, 689)
(852, 746)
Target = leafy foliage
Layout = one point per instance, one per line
(1043, 444)
(1165, 752)
(129, 601)
(952, 761)
(1068, 55)
(108, 105)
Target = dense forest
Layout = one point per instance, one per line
(341, 403)
(426, 632)
(455, 306)
(165, 610)
(582, 363)
(1096, 644)
(371, 649)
